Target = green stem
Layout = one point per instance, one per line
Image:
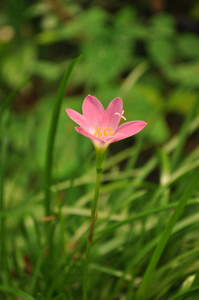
(99, 161)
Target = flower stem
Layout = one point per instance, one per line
(99, 161)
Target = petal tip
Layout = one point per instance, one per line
(118, 99)
(68, 110)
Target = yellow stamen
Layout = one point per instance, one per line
(108, 133)
(98, 131)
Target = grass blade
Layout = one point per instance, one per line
(143, 289)
(49, 229)
(16, 292)
(52, 134)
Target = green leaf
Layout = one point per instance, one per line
(162, 25)
(161, 51)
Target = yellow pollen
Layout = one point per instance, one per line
(107, 132)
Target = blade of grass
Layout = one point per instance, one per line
(143, 289)
(192, 292)
(48, 169)
(52, 134)
(144, 214)
(16, 292)
(196, 280)
(37, 267)
(173, 268)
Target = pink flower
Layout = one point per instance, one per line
(100, 125)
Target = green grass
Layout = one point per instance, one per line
(145, 242)
(146, 237)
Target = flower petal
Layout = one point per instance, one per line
(112, 115)
(87, 134)
(128, 129)
(93, 110)
(78, 118)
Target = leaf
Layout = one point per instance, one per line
(162, 26)
(162, 51)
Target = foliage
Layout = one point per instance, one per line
(153, 66)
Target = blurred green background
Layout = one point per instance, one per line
(147, 53)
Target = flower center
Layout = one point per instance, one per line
(99, 133)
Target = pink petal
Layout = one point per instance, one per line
(87, 134)
(93, 110)
(111, 118)
(128, 129)
(78, 118)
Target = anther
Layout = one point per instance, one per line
(107, 132)
(98, 132)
